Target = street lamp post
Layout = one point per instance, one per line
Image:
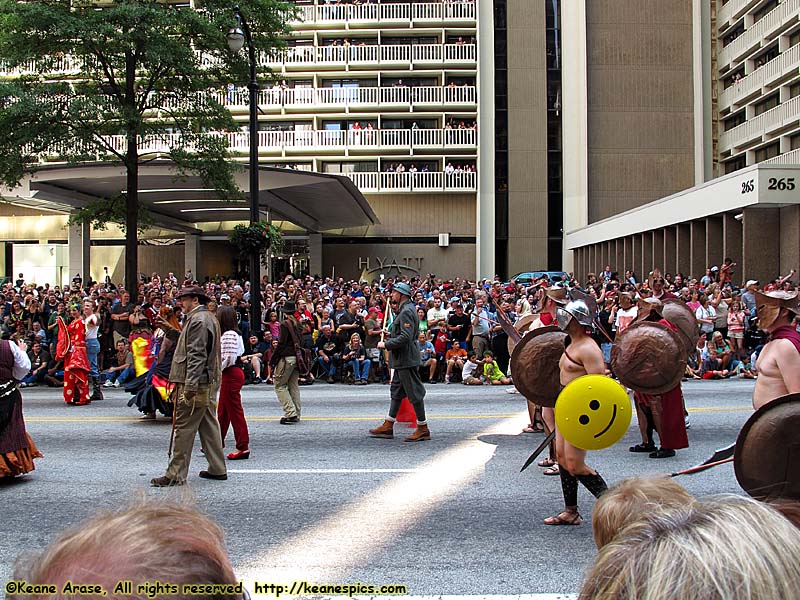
(237, 36)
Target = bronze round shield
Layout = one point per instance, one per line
(522, 326)
(676, 312)
(534, 365)
(767, 455)
(648, 357)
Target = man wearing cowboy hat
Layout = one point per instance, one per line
(778, 363)
(196, 375)
(404, 358)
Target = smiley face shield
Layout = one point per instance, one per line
(593, 412)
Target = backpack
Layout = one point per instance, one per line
(304, 356)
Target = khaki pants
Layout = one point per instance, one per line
(286, 387)
(192, 417)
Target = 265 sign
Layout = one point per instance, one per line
(779, 184)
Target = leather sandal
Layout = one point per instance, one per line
(571, 518)
(554, 470)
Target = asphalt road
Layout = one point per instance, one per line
(322, 502)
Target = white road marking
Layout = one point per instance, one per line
(316, 471)
(327, 551)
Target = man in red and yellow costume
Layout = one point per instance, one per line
(72, 348)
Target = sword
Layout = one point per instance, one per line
(550, 437)
(721, 456)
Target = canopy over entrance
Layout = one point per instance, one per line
(314, 201)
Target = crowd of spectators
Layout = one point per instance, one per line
(460, 338)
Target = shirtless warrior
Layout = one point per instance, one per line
(581, 357)
(778, 363)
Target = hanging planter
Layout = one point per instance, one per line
(261, 239)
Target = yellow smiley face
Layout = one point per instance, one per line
(593, 412)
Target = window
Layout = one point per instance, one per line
(407, 41)
(740, 162)
(769, 151)
(764, 10)
(794, 142)
(734, 120)
(794, 90)
(733, 77)
(349, 83)
(370, 166)
(766, 55)
(409, 124)
(733, 33)
(767, 103)
(794, 38)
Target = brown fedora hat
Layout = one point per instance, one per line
(194, 290)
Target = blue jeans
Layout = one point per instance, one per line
(360, 368)
(121, 376)
(92, 350)
(327, 368)
(31, 378)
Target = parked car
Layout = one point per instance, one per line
(527, 277)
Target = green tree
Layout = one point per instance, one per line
(94, 77)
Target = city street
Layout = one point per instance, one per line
(322, 502)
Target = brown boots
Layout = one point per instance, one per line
(385, 431)
(420, 434)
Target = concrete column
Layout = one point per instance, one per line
(658, 250)
(684, 248)
(315, 253)
(697, 260)
(790, 239)
(574, 119)
(635, 264)
(732, 232)
(702, 79)
(761, 245)
(627, 254)
(79, 240)
(714, 241)
(619, 254)
(670, 264)
(485, 206)
(191, 255)
(647, 255)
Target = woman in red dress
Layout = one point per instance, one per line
(72, 348)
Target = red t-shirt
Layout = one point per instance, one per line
(440, 342)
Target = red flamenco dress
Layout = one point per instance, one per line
(72, 348)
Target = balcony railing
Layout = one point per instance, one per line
(766, 123)
(388, 14)
(421, 181)
(765, 28)
(310, 140)
(780, 66)
(368, 97)
(787, 158)
(373, 55)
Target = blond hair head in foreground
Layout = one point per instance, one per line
(631, 499)
(724, 548)
(150, 541)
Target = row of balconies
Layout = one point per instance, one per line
(762, 127)
(309, 99)
(372, 141)
(302, 57)
(775, 70)
(760, 33)
(421, 181)
(383, 15)
(394, 55)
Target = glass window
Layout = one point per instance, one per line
(767, 103)
(767, 152)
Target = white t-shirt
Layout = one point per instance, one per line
(706, 313)
(469, 367)
(232, 347)
(434, 314)
(625, 318)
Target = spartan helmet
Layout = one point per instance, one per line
(576, 309)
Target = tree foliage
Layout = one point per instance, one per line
(92, 78)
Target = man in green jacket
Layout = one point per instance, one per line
(196, 374)
(404, 358)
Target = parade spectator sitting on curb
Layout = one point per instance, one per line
(122, 369)
(472, 373)
(428, 355)
(355, 356)
(492, 372)
(254, 358)
(455, 357)
(39, 358)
